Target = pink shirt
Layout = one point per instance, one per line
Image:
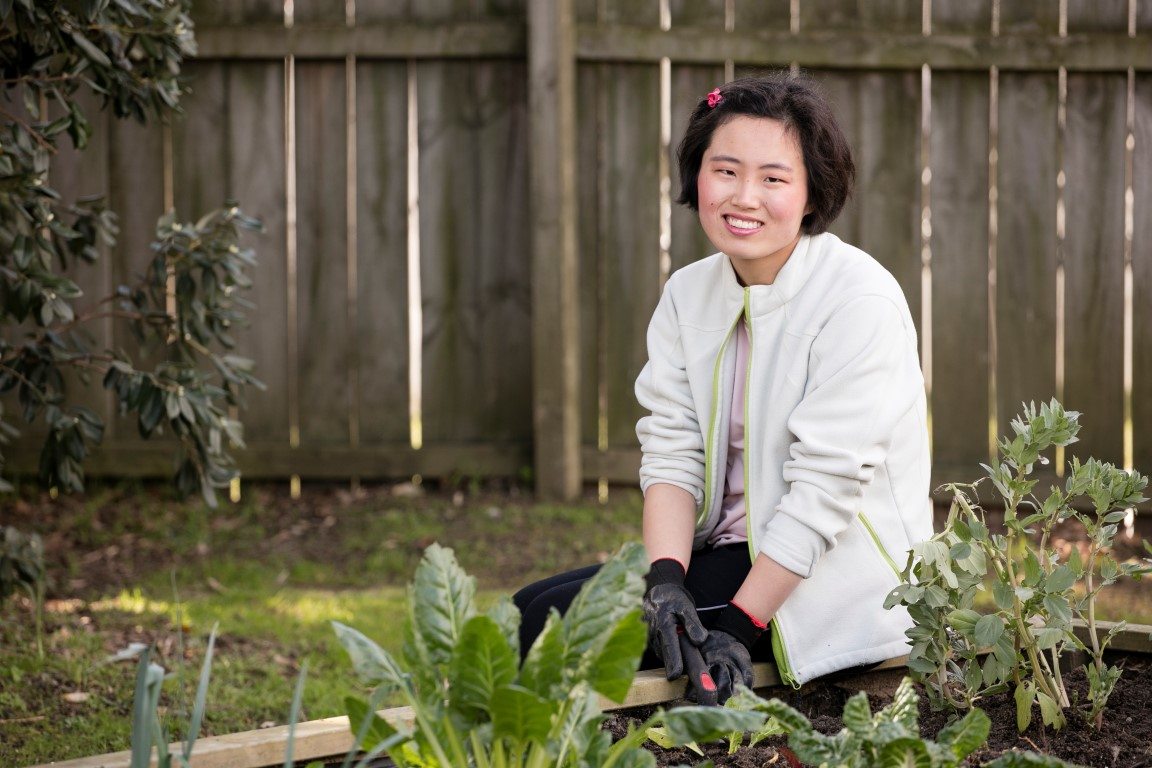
(732, 529)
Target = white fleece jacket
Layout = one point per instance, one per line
(836, 441)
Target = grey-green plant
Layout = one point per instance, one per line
(963, 655)
(474, 703)
(148, 729)
(58, 59)
(22, 568)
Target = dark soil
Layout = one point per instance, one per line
(1125, 741)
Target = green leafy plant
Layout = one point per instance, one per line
(474, 702)
(890, 737)
(185, 304)
(22, 568)
(962, 655)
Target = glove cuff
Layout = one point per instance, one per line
(740, 624)
(666, 570)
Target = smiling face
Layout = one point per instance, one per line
(753, 195)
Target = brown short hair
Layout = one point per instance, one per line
(795, 101)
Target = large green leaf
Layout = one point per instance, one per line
(483, 661)
(988, 630)
(520, 715)
(149, 678)
(966, 735)
(542, 671)
(371, 662)
(507, 617)
(612, 670)
(613, 593)
(440, 602)
(687, 724)
(791, 719)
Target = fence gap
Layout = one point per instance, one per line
(993, 245)
(926, 361)
(415, 309)
(1061, 229)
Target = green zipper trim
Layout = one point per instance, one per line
(879, 545)
(780, 653)
(709, 449)
(747, 318)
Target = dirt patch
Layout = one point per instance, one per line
(1125, 741)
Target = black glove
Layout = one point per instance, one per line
(726, 651)
(669, 610)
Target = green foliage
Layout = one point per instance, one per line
(889, 738)
(182, 309)
(963, 656)
(22, 568)
(474, 703)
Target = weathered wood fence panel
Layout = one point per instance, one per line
(388, 149)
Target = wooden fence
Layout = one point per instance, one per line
(468, 217)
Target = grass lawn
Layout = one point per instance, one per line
(130, 565)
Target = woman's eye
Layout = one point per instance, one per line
(773, 179)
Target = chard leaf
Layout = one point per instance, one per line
(792, 720)
(607, 598)
(441, 601)
(907, 752)
(857, 714)
(520, 715)
(371, 662)
(611, 671)
(904, 707)
(967, 734)
(507, 617)
(542, 671)
(482, 661)
(684, 725)
(368, 728)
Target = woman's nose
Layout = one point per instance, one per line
(745, 196)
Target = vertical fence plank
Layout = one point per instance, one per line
(690, 84)
(1026, 247)
(321, 243)
(382, 232)
(960, 365)
(136, 194)
(200, 154)
(80, 174)
(961, 16)
(590, 142)
(1142, 279)
(256, 175)
(763, 14)
(474, 252)
(237, 12)
(880, 114)
(1041, 17)
(1094, 241)
(631, 236)
(879, 15)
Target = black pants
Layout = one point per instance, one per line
(714, 576)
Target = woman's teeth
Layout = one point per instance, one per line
(742, 223)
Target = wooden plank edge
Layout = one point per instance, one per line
(313, 739)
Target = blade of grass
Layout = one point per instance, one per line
(294, 715)
(201, 696)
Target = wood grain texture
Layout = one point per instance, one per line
(880, 115)
(959, 242)
(591, 114)
(381, 331)
(631, 228)
(1142, 280)
(322, 320)
(474, 250)
(689, 86)
(876, 15)
(1026, 247)
(256, 179)
(1094, 262)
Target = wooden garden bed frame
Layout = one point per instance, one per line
(320, 739)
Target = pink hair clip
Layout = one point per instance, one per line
(714, 98)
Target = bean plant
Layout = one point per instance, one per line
(963, 655)
(475, 703)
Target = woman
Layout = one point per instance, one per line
(785, 456)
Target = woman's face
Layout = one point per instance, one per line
(753, 195)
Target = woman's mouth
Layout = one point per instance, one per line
(741, 225)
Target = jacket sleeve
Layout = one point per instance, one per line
(864, 376)
(670, 437)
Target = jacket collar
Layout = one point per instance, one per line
(791, 278)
